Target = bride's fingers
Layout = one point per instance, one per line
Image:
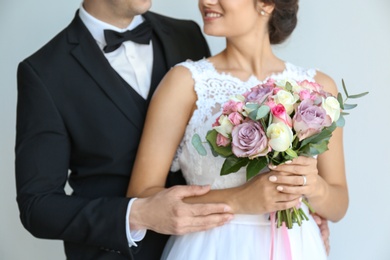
(295, 170)
(294, 180)
(300, 165)
(293, 190)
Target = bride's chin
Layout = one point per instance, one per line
(213, 32)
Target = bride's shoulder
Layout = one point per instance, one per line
(197, 69)
(327, 82)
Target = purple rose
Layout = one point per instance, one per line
(249, 140)
(310, 119)
(258, 94)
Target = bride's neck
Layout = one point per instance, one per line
(256, 59)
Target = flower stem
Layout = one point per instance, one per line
(308, 205)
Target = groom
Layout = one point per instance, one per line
(82, 100)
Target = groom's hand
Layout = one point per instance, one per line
(166, 213)
(325, 232)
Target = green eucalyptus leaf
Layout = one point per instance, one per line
(341, 121)
(344, 87)
(211, 138)
(233, 164)
(252, 106)
(344, 113)
(253, 114)
(288, 86)
(198, 145)
(255, 166)
(358, 95)
(262, 112)
(349, 106)
(340, 100)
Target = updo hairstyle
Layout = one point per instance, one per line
(283, 19)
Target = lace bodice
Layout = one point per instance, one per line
(213, 90)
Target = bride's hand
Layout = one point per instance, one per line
(259, 196)
(299, 176)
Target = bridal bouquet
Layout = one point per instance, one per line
(273, 123)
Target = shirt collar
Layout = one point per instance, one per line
(96, 27)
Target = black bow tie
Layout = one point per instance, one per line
(141, 34)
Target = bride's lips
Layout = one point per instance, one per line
(210, 15)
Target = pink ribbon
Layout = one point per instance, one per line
(285, 238)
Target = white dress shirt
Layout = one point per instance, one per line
(133, 62)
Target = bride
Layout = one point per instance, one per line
(188, 101)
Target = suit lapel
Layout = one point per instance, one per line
(91, 58)
(167, 38)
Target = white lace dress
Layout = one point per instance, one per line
(246, 237)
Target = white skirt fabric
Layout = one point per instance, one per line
(248, 237)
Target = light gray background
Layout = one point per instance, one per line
(346, 39)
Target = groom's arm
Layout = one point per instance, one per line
(43, 151)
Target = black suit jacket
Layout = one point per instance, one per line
(75, 115)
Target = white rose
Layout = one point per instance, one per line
(280, 136)
(286, 99)
(332, 107)
(225, 127)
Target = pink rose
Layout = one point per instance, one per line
(235, 118)
(304, 94)
(280, 115)
(313, 86)
(310, 119)
(249, 140)
(222, 140)
(232, 106)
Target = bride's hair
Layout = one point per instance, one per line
(283, 19)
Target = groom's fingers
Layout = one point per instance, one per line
(182, 192)
(190, 190)
(198, 217)
(206, 222)
(208, 209)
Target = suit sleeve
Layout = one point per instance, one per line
(42, 152)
